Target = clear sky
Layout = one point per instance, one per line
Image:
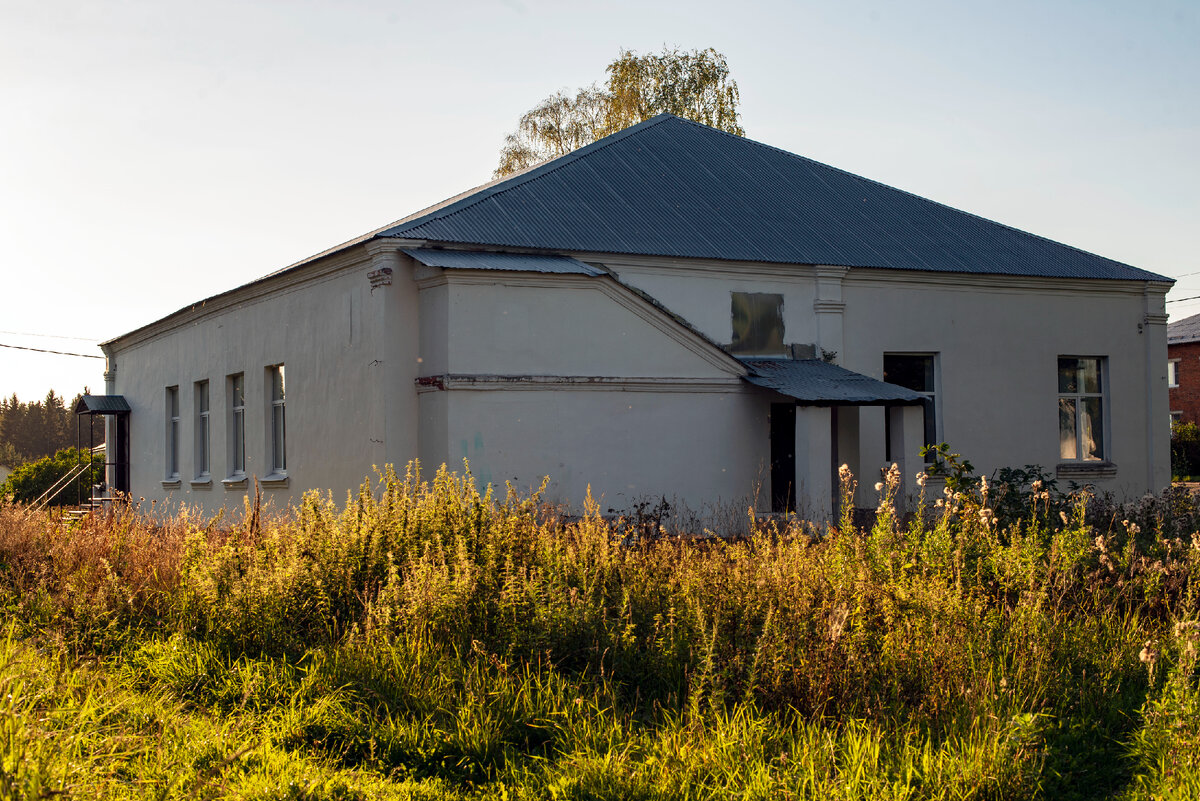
(155, 152)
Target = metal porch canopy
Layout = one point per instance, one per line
(813, 382)
(102, 404)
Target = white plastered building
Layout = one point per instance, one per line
(671, 312)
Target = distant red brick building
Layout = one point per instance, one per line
(1183, 369)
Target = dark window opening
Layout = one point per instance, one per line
(915, 372)
(757, 324)
(783, 457)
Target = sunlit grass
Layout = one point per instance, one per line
(423, 640)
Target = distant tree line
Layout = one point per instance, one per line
(31, 431)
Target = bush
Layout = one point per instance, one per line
(1185, 450)
(31, 480)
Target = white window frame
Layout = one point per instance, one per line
(235, 385)
(277, 421)
(171, 434)
(203, 426)
(1077, 398)
(1173, 373)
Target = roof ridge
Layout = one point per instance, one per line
(550, 166)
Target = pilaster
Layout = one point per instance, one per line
(829, 308)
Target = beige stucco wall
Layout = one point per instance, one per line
(580, 379)
(997, 341)
(325, 325)
(624, 398)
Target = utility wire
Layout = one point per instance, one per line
(48, 336)
(55, 352)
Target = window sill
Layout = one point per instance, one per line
(172, 483)
(235, 482)
(274, 480)
(1071, 470)
(201, 482)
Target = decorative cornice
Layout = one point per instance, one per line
(972, 282)
(455, 381)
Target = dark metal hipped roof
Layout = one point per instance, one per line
(102, 404)
(813, 382)
(517, 262)
(672, 187)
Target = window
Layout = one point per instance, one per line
(916, 371)
(172, 442)
(1176, 418)
(202, 430)
(278, 435)
(1081, 408)
(237, 426)
(757, 324)
(1173, 373)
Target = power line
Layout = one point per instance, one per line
(48, 336)
(55, 352)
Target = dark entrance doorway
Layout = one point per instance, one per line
(116, 478)
(783, 457)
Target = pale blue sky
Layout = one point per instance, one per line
(154, 152)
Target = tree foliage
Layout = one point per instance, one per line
(692, 84)
(29, 431)
(32, 479)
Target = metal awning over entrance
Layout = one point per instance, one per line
(813, 382)
(116, 465)
(102, 404)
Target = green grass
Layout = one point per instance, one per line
(423, 640)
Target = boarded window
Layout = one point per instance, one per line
(757, 324)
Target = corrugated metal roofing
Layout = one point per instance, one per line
(813, 382)
(101, 404)
(672, 187)
(517, 262)
(1185, 330)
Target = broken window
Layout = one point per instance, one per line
(757, 324)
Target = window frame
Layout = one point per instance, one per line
(202, 454)
(171, 434)
(1078, 397)
(235, 387)
(1173, 373)
(276, 418)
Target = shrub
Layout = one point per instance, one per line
(1185, 450)
(31, 480)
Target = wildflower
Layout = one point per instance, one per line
(938, 503)
(921, 478)
(844, 472)
(1037, 485)
(1149, 654)
(879, 486)
(1003, 683)
(1066, 520)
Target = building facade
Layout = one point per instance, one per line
(672, 312)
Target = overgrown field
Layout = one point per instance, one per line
(425, 641)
